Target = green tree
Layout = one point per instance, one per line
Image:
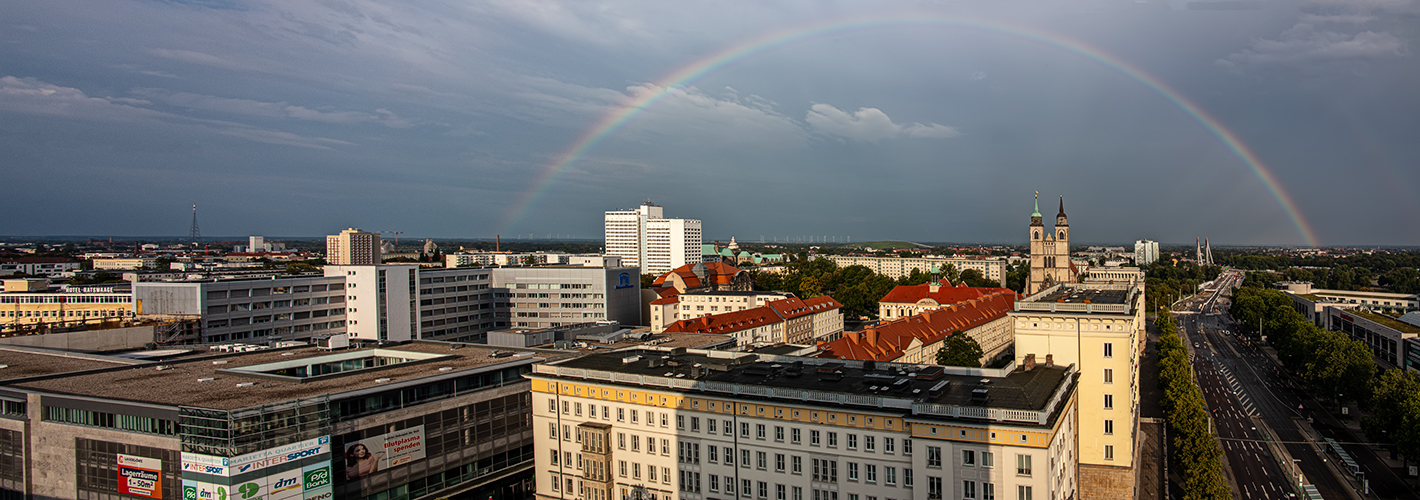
(1017, 277)
(959, 349)
(647, 279)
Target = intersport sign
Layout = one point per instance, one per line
(227, 467)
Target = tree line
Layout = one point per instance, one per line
(856, 287)
(1196, 449)
(1332, 363)
(1395, 271)
(1166, 280)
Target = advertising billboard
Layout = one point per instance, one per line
(312, 481)
(384, 451)
(251, 462)
(140, 476)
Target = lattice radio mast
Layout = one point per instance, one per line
(196, 234)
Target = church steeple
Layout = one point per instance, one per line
(1035, 217)
(1060, 217)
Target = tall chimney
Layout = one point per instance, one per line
(1049, 360)
(1029, 363)
(498, 243)
(870, 336)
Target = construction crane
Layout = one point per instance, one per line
(396, 235)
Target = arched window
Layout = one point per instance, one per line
(1062, 234)
(1035, 235)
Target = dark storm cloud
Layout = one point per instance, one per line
(433, 118)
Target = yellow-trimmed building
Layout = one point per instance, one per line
(28, 304)
(667, 424)
(1098, 327)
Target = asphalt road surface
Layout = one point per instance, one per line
(1249, 395)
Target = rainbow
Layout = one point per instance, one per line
(688, 74)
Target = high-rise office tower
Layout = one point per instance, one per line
(644, 238)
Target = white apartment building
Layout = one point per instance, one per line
(993, 268)
(1145, 252)
(352, 247)
(644, 238)
(381, 302)
(672, 424)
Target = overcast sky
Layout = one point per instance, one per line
(926, 121)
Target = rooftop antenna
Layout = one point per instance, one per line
(195, 233)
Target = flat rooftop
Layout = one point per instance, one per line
(665, 340)
(1019, 390)
(22, 362)
(1071, 295)
(178, 385)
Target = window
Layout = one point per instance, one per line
(744, 429)
(934, 456)
(564, 407)
(798, 464)
(710, 425)
(779, 433)
(578, 407)
(852, 441)
(636, 471)
(794, 435)
(621, 440)
(1109, 349)
(907, 477)
(729, 428)
(552, 405)
(779, 492)
(1109, 452)
(635, 443)
(888, 445)
(694, 424)
(987, 459)
(651, 471)
(1023, 493)
(1109, 375)
(621, 414)
(968, 489)
(934, 488)
(968, 457)
(622, 465)
(813, 438)
(746, 488)
(554, 457)
(762, 459)
(714, 483)
(870, 473)
(779, 462)
(869, 443)
(680, 422)
(759, 431)
(988, 491)
(744, 458)
(663, 420)
(833, 439)
(729, 456)
(907, 447)
(1109, 401)
(1023, 465)
(714, 454)
(798, 493)
(852, 471)
(763, 489)
(890, 476)
(1109, 427)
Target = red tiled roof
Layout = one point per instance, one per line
(887, 341)
(668, 295)
(726, 323)
(719, 273)
(822, 303)
(910, 294)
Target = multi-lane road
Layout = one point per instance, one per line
(1261, 412)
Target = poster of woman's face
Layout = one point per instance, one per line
(364, 457)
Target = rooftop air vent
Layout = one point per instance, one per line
(245, 384)
(162, 367)
(220, 362)
(446, 368)
(381, 380)
(206, 379)
(288, 354)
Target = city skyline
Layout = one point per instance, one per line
(1275, 125)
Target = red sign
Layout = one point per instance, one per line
(140, 476)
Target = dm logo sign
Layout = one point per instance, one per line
(623, 281)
